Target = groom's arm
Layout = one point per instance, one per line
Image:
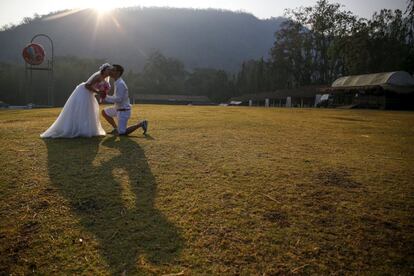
(121, 94)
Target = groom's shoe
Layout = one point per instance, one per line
(145, 126)
(114, 132)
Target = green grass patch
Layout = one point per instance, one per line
(211, 190)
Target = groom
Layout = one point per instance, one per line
(122, 107)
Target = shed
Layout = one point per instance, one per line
(387, 90)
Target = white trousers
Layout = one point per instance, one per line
(122, 116)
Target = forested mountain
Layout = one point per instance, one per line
(213, 53)
(199, 38)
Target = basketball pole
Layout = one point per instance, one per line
(49, 68)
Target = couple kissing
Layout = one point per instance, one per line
(80, 114)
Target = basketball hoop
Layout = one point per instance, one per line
(34, 54)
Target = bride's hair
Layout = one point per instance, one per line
(104, 66)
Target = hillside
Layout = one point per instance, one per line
(200, 38)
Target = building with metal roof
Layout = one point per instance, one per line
(398, 81)
(387, 90)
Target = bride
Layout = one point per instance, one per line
(80, 115)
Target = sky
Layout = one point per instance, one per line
(12, 11)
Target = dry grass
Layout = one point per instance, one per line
(212, 190)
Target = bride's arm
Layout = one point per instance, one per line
(89, 85)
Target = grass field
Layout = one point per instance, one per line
(211, 190)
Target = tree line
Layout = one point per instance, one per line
(160, 75)
(318, 44)
(315, 45)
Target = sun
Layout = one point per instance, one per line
(103, 9)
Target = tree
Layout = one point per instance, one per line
(163, 75)
(388, 41)
(212, 83)
(327, 25)
(291, 55)
(409, 12)
(320, 43)
(356, 49)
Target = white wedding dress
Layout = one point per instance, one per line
(79, 117)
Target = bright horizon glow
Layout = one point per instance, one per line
(14, 11)
(103, 10)
(101, 7)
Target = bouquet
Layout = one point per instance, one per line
(103, 87)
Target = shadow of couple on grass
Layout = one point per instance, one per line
(111, 190)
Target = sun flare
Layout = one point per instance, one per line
(100, 6)
(104, 9)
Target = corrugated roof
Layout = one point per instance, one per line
(397, 78)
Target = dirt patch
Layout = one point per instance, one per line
(44, 204)
(337, 178)
(277, 217)
(29, 227)
(16, 246)
(87, 205)
(349, 119)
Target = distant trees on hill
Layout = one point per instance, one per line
(160, 75)
(315, 45)
(318, 44)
